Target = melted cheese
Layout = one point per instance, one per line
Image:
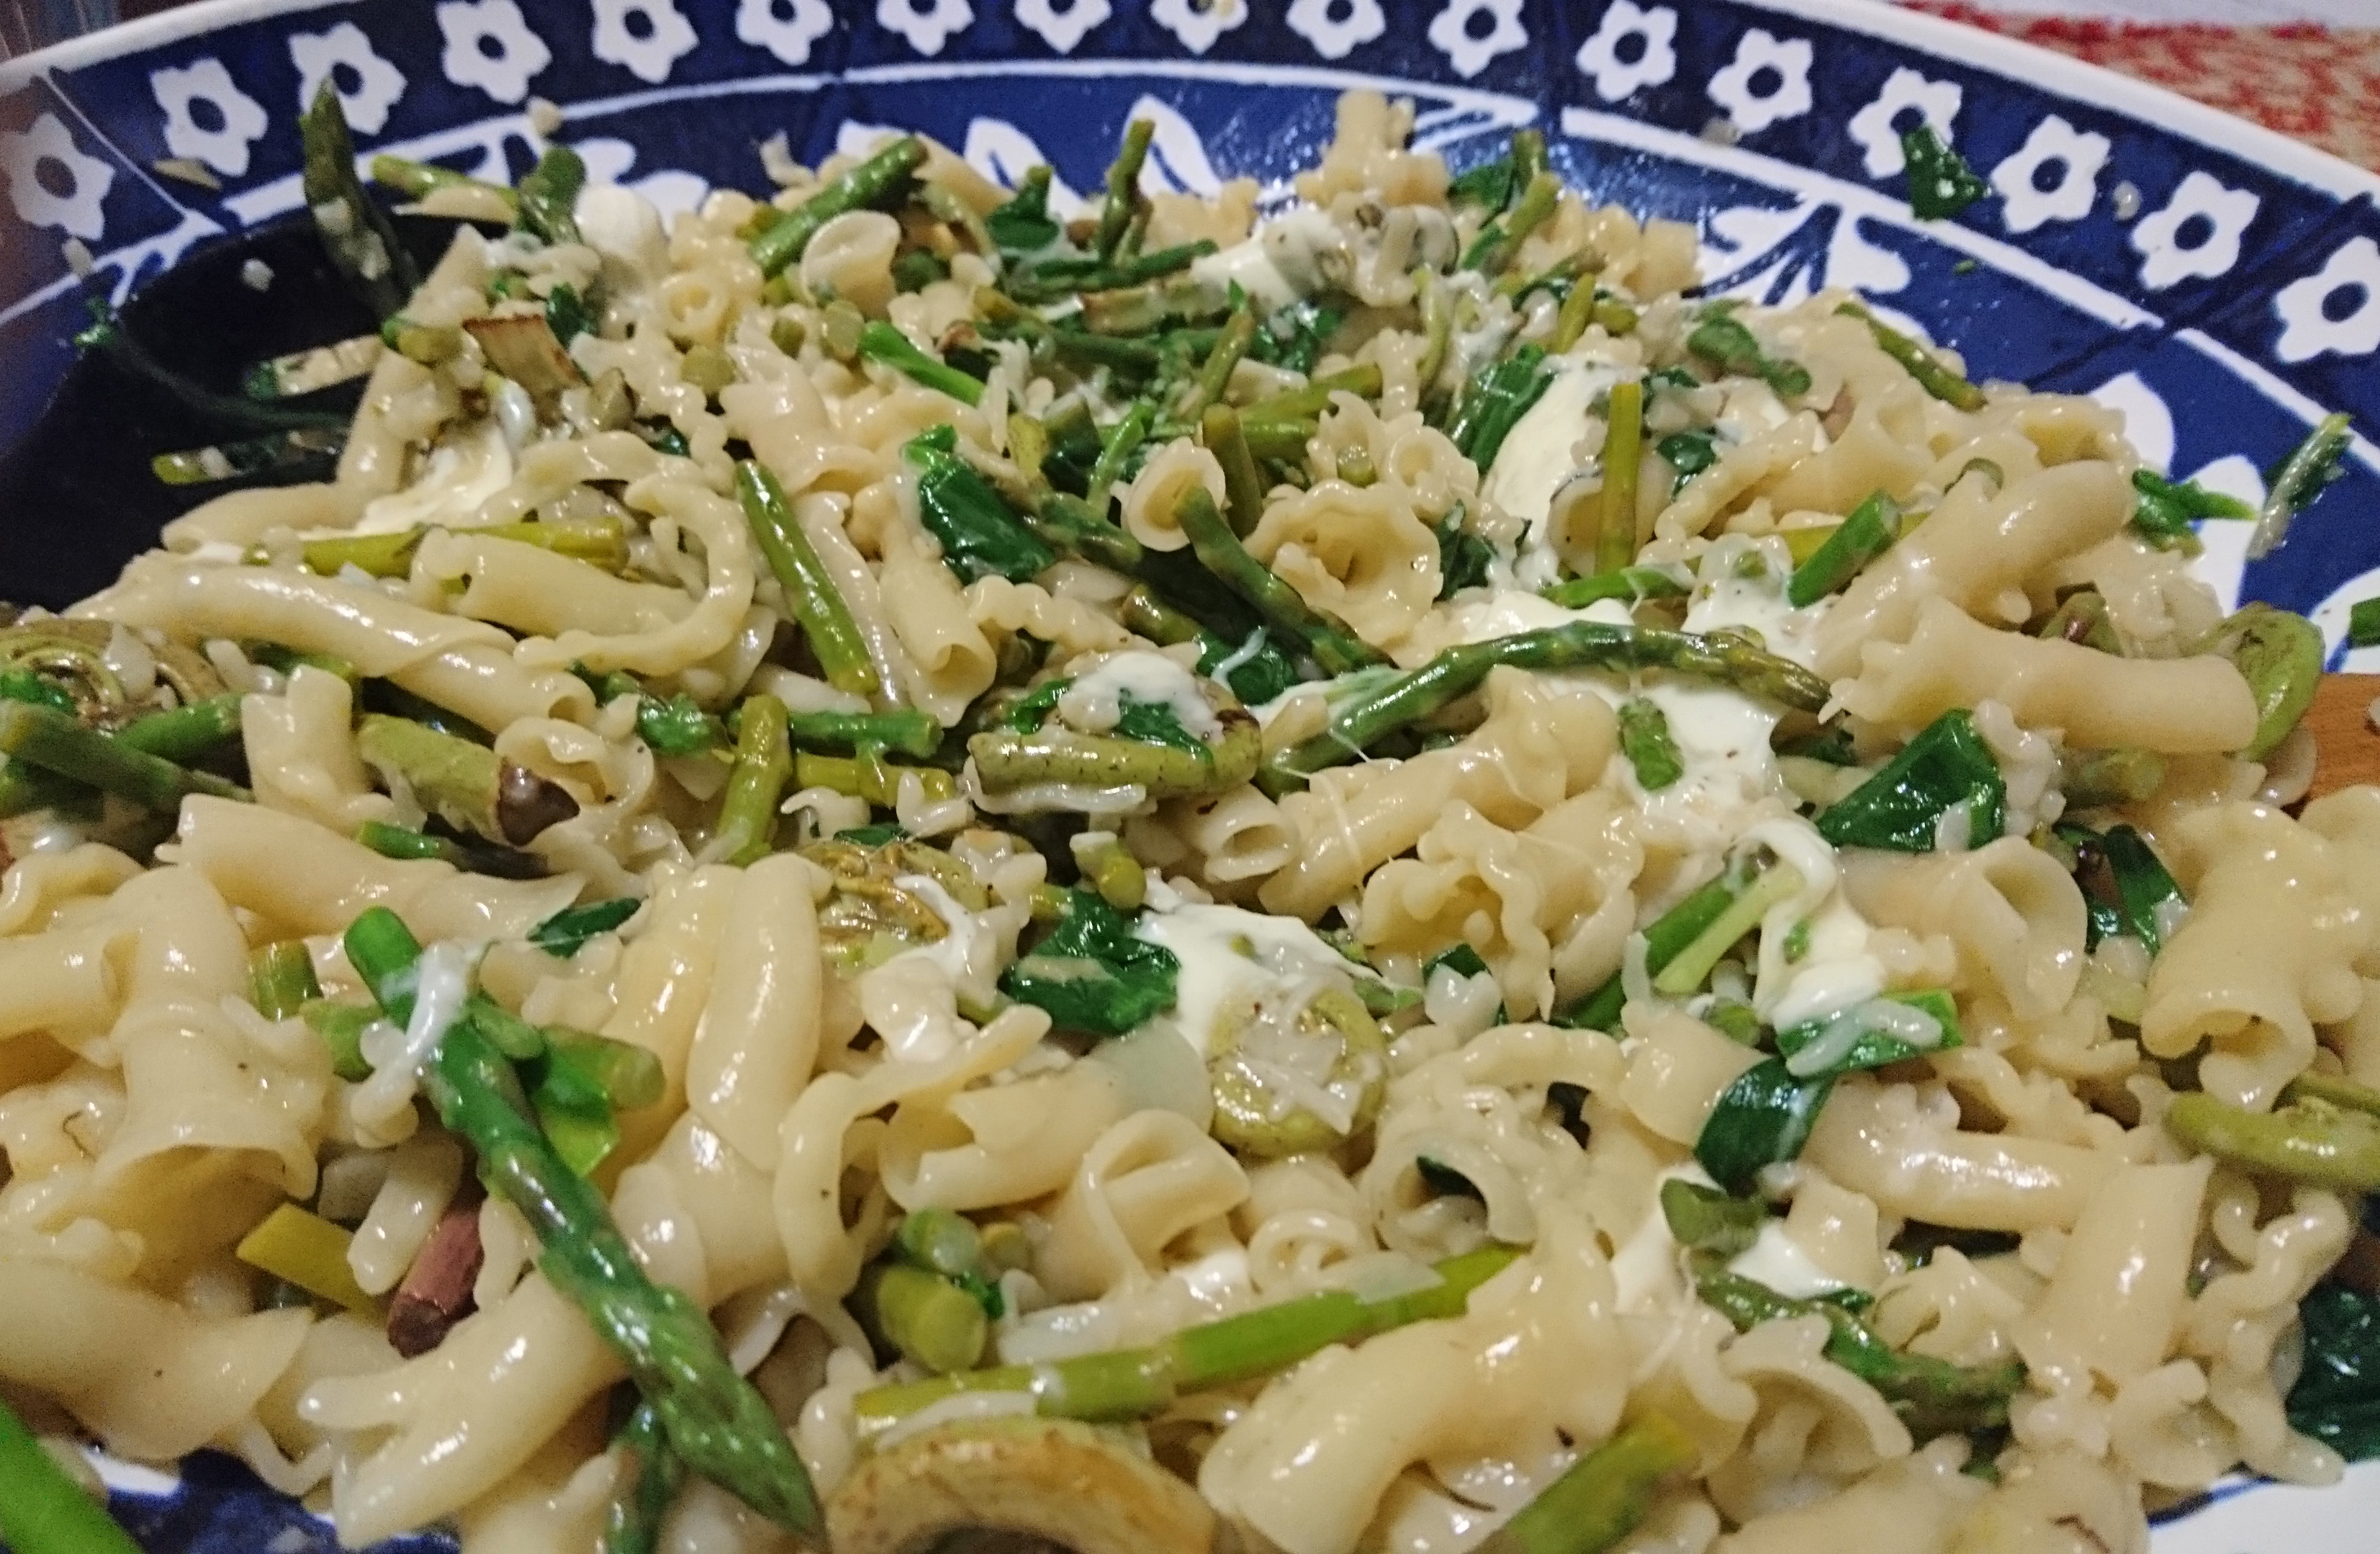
(1777, 1261)
(1231, 960)
(1725, 597)
(1280, 265)
(1096, 700)
(1538, 455)
(463, 471)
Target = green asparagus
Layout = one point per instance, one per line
(810, 592)
(416, 180)
(1328, 640)
(747, 814)
(1623, 444)
(46, 737)
(711, 1417)
(281, 979)
(874, 182)
(463, 783)
(1920, 363)
(881, 342)
(42, 1510)
(1599, 1499)
(358, 234)
(648, 1479)
(2292, 485)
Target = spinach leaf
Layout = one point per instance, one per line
(1091, 973)
(2164, 511)
(1024, 224)
(1645, 740)
(873, 836)
(1258, 671)
(1293, 337)
(1494, 402)
(568, 314)
(2143, 884)
(1723, 340)
(979, 535)
(563, 934)
(1705, 1219)
(2337, 1398)
(1873, 1049)
(1689, 453)
(1155, 723)
(1761, 1120)
(1462, 556)
(1491, 185)
(1460, 959)
(678, 726)
(1941, 182)
(1901, 808)
(1031, 710)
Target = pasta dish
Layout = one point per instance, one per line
(899, 864)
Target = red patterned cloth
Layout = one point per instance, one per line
(2318, 84)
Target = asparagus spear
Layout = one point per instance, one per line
(1932, 1397)
(1500, 239)
(1623, 451)
(46, 737)
(1243, 489)
(1122, 440)
(467, 785)
(875, 181)
(810, 592)
(881, 342)
(711, 1416)
(418, 179)
(906, 730)
(1257, 672)
(1494, 402)
(1215, 372)
(1665, 939)
(1136, 1383)
(647, 1480)
(1006, 759)
(1124, 198)
(1312, 398)
(601, 541)
(2292, 485)
(1599, 1499)
(281, 979)
(748, 815)
(1369, 715)
(42, 1510)
(1921, 364)
(927, 1316)
(868, 776)
(1327, 639)
(548, 196)
(356, 232)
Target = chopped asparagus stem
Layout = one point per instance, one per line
(810, 592)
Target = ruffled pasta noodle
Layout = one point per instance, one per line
(1403, 992)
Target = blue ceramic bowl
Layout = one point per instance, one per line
(2217, 282)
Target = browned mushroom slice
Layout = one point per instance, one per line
(1016, 1486)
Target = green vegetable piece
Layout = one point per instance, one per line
(568, 931)
(1874, 1049)
(1705, 1219)
(1635, 584)
(356, 233)
(711, 1417)
(1090, 972)
(881, 342)
(281, 979)
(764, 762)
(646, 1481)
(906, 729)
(1370, 714)
(1490, 185)
(1688, 454)
(1253, 1116)
(2364, 623)
(980, 535)
(1024, 225)
(1496, 401)
(928, 1318)
(418, 181)
(1123, 197)
(1616, 534)
(2280, 656)
(341, 1027)
(1602, 1498)
(1464, 558)
(24, 685)
(1644, 738)
(1902, 808)
(2312, 1138)
(391, 841)
(942, 1240)
(678, 726)
(1722, 339)
(2337, 1398)
(1932, 1397)
(1763, 1119)
(460, 781)
(1294, 337)
(579, 1085)
(1215, 372)
(2143, 885)
(549, 195)
(811, 590)
(1243, 486)
(2292, 485)
(43, 737)
(42, 1510)
(1746, 907)
(1500, 242)
(1941, 182)
(1136, 1383)
(2165, 513)
(877, 181)
(2081, 617)
(1329, 641)
(1858, 540)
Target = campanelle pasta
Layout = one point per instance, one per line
(1368, 860)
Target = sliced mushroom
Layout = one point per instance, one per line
(1016, 1486)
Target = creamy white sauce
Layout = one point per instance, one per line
(1644, 1271)
(466, 469)
(1777, 1261)
(1835, 973)
(1096, 700)
(1278, 265)
(1232, 958)
(1723, 597)
(1538, 455)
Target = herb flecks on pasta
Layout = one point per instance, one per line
(928, 857)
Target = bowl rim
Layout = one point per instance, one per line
(2010, 59)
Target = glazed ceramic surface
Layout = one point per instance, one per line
(2217, 283)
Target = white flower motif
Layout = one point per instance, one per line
(2210, 215)
(1199, 23)
(1456, 33)
(79, 208)
(929, 29)
(2076, 153)
(1336, 28)
(2336, 309)
(488, 46)
(1632, 49)
(1762, 58)
(646, 37)
(231, 119)
(1062, 29)
(337, 57)
(1878, 127)
(785, 27)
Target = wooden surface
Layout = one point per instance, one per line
(2348, 751)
